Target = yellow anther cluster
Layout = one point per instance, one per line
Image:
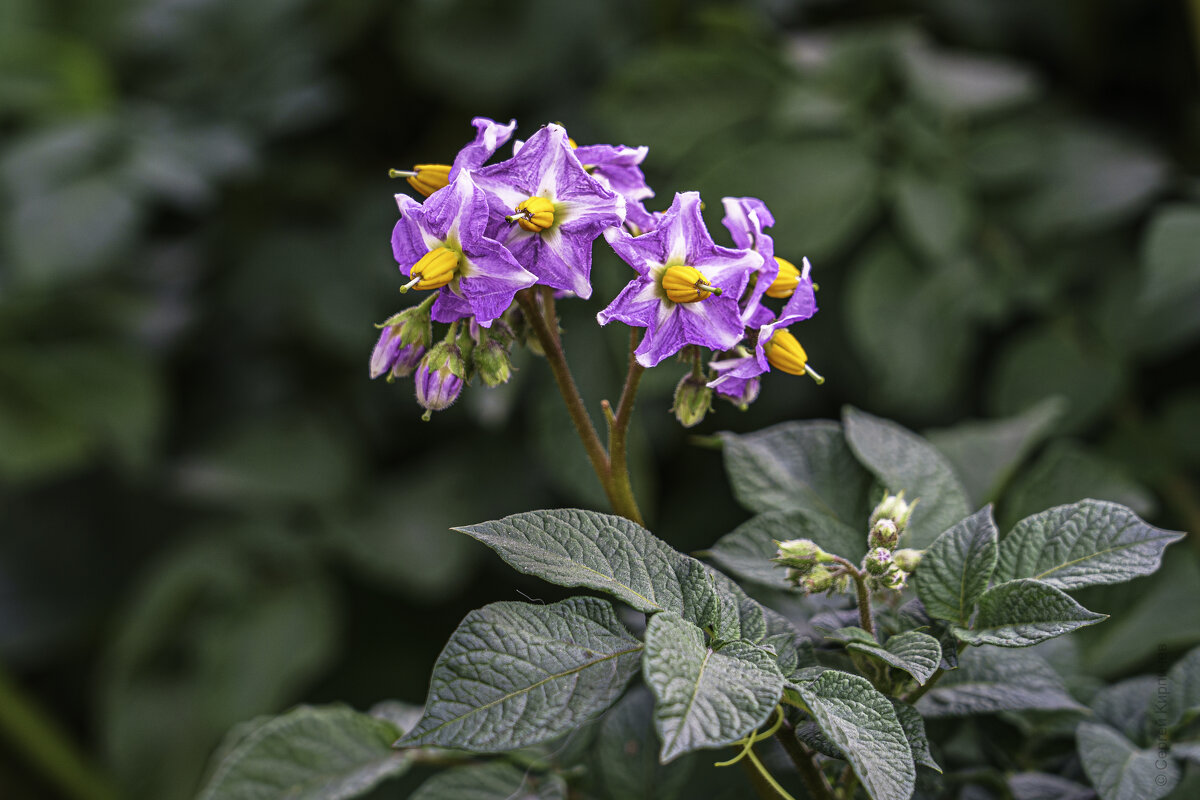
(435, 269)
(786, 281)
(535, 214)
(686, 285)
(429, 178)
(785, 354)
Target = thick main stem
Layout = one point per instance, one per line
(30, 731)
(815, 781)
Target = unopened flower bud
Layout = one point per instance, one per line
(693, 399)
(894, 578)
(800, 554)
(492, 361)
(907, 559)
(820, 579)
(402, 341)
(878, 561)
(884, 533)
(439, 378)
(893, 507)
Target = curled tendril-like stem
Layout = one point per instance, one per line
(747, 745)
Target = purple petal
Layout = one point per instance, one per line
(637, 304)
(803, 302)
(489, 137)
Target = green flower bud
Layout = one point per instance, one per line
(893, 507)
(800, 555)
(492, 361)
(878, 561)
(821, 579)
(884, 533)
(907, 559)
(692, 400)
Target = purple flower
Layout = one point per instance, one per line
(489, 137)
(735, 375)
(746, 217)
(549, 210)
(687, 287)
(442, 245)
(737, 379)
(617, 168)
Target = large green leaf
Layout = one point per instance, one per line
(1023, 612)
(916, 653)
(991, 679)
(706, 697)
(903, 461)
(1085, 543)
(798, 466)
(957, 567)
(863, 725)
(1119, 770)
(747, 550)
(1166, 305)
(914, 728)
(310, 753)
(962, 84)
(935, 215)
(985, 454)
(495, 780)
(514, 674)
(1044, 786)
(1126, 707)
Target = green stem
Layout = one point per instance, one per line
(618, 434)
(30, 730)
(865, 620)
(919, 692)
(814, 780)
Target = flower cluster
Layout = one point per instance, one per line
(486, 232)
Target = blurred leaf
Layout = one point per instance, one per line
(1043, 786)
(48, 76)
(991, 679)
(1119, 770)
(626, 753)
(915, 341)
(1092, 179)
(904, 462)
(985, 454)
(1025, 612)
(514, 674)
(326, 753)
(224, 628)
(822, 192)
(934, 213)
(1067, 472)
(1047, 361)
(1180, 420)
(1006, 153)
(1168, 305)
(494, 780)
(966, 85)
(1183, 691)
(296, 459)
(1126, 706)
(747, 550)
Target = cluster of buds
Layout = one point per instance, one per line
(808, 566)
(483, 232)
(888, 567)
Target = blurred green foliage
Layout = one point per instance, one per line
(207, 512)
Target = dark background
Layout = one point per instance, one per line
(207, 510)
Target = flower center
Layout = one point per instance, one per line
(785, 354)
(684, 284)
(425, 178)
(435, 269)
(786, 281)
(534, 215)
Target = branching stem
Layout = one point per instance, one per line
(815, 781)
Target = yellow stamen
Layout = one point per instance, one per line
(571, 142)
(435, 269)
(429, 178)
(535, 214)
(686, 285)
(785, 354)
(786, 281)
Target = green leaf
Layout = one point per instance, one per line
(914, 729)
(495, 780)
(966, 85)
(935, 215)
(798, 466)
(514, 674)
(598, 551)
(626, 752)
(957, 567)
(1023, 612)
(985, 454)
(1126, 706)
(309, 753)
(706, 698)
(916, 653)
(863, 724)
(1120, 771)
(1170, 287)
(902, 461)
(1183, 693)
(1043, 786)
(748, 549)
(1082, 544)
(989, 680)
